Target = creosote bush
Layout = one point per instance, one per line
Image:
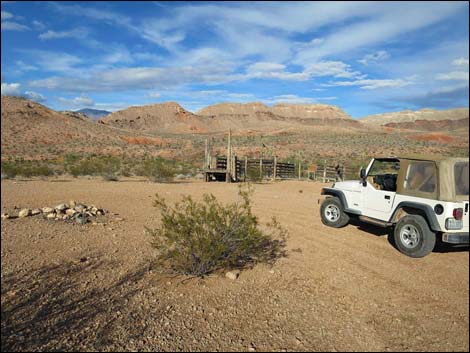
(158, 170)
(199, 238)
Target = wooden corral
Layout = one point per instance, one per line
(231, 168)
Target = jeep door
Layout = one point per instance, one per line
(379, 192)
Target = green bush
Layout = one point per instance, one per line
(25, 169)
(9, 170)
(198, 238)
(157, 170)
(252, 174)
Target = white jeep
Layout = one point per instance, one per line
(422, 198)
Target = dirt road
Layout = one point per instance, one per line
(72, 287)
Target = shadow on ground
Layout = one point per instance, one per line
(388, 232)
(55, 308)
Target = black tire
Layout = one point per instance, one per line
(416, 245)
(338, 220)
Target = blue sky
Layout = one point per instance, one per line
(364, 57)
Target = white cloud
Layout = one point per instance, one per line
(56, 61)
(117, 55)
(13, 26)
(123, 79)
(371, 84)
(6, 15)
(14, 89)
(79, 33)
(34, 96)
(81, 101)
(460, 62)
(38, 25)
(295, 99)
(154, 95)
(105, 16)
(331, 68)
(10, 89)
(273, 70)
(375, 57)
(25, 67)
(454, 75)
(382, 23)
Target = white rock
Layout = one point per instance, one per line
(36, 211)
(50, 216)
(5, 216)
(61, 207)
(70, 212)
(233, 275)
(25, 212)
(47, 210)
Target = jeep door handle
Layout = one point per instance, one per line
(387, 197)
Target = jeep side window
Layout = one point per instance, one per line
(421, 176)
(461, 178)
(383, 175)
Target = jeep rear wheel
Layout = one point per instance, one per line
(332, 213)
(413, 237)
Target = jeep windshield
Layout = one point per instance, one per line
(461, 178)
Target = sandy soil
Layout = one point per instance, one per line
(72, 287)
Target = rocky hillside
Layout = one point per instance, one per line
(167, 117)
(425, 119)
(283, 111)
(31, 129)
(172, 118)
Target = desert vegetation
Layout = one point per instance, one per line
(199, 238)
(110, 168)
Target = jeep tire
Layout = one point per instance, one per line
(413, 237)
(332, 213)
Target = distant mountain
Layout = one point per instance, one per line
(286, 111)
(423, 120)
(30, 129)
(154, 118)
(93, 113)
(409, 116)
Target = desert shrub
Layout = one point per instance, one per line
(198, 238)
(252, 174)
(25, 169)
(109, 167)
(9, 170)
(157, 170)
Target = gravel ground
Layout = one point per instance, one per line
(91, 287)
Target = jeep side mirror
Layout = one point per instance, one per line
(363, 177)
(362, 173)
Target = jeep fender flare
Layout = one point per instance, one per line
(340, 195)
(423, 209)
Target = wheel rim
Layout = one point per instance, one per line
(332, 213)
(409, 236)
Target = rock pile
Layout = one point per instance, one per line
(72, 212)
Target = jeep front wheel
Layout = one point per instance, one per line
(332, 213)
(413, 237)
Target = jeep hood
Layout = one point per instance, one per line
(350, 185)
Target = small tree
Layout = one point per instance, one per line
(198, 238)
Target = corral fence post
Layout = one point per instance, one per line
(275, 167)
(246, 167)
